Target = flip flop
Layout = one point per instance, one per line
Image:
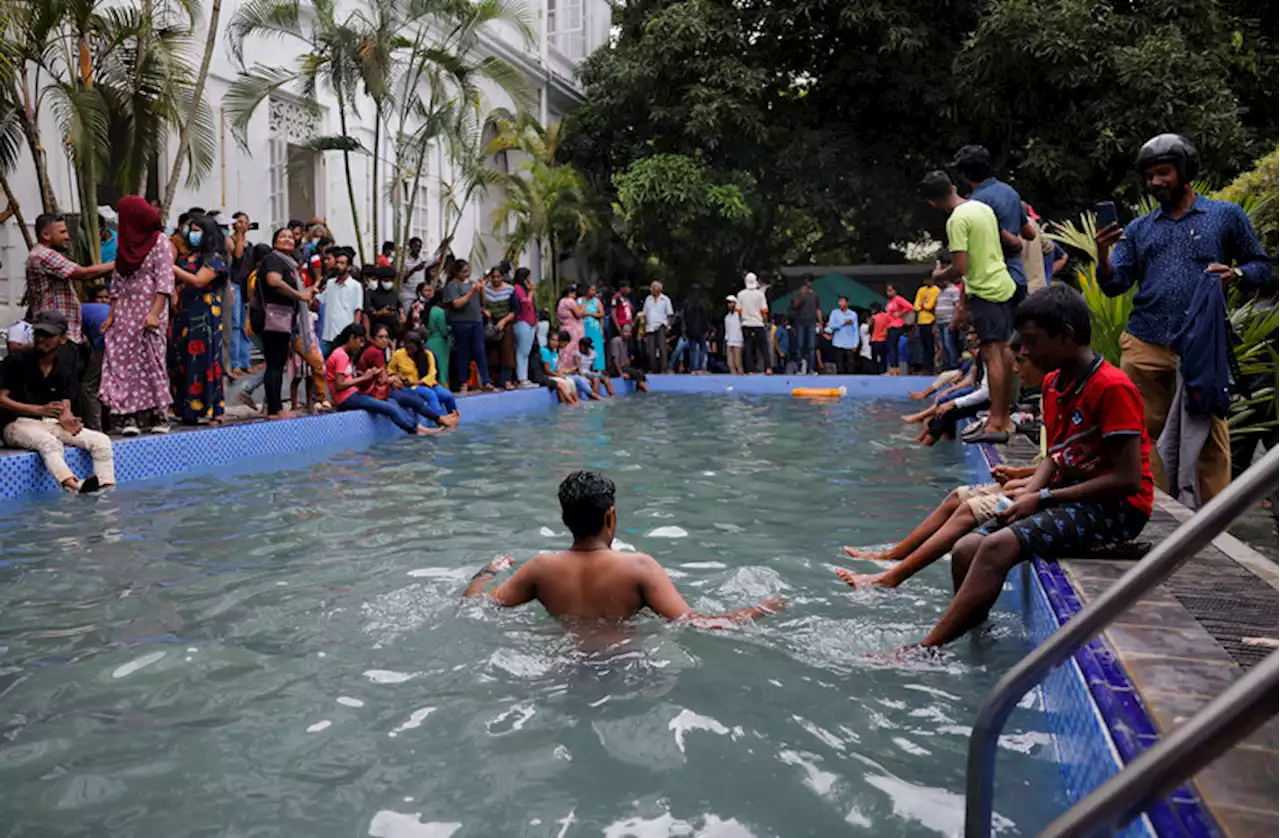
(1128, 551)
(996, 438)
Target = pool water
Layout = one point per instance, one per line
(285, 653)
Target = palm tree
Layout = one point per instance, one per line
(546, 200)
(437, 99)
(332, 58)
(193, 109)
(118, 82)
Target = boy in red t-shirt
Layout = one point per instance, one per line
(1095, 485)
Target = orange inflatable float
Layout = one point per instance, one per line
(819, 392)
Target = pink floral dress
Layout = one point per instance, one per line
(134, 373)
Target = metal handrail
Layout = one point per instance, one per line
(1161, 562)
(1233, 715)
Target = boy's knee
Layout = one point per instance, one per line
(1000, 551)
(967, 547)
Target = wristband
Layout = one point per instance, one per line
(1046, 497)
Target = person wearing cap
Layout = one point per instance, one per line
(973, 163)
(754, 309)
(37, 387)
(1187, 240)
(973, 236)
(733, 337)
(51, 276)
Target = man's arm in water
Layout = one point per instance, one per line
(517, 590)
(663, 599)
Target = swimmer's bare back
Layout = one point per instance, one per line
(601, 584)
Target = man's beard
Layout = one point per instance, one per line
(1168, 195)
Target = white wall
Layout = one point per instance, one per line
(240, 178)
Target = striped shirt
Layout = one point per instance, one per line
(948, 298)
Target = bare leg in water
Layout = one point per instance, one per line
(934, 547)
(979, 565)
(926, 528)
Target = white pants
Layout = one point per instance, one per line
(48, 438)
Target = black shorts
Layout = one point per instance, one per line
(1069, 528)
(992, 321)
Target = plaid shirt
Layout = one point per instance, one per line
(50, 288)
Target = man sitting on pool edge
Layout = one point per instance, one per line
(591, 580)
(1095, 485)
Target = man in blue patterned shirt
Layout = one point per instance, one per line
(1188, 239)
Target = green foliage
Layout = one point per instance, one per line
(1108, 316)
(827, 113)
(545, 203)
(1255, 191)
(674, 209)
(415, 61)
(119, 82)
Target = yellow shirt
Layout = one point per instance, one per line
(926, 302)
(402, 365)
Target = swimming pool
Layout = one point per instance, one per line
(284, 652)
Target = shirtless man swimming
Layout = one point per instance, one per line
(591, 580)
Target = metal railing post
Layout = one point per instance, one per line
(1240, 710)
(1162, 561)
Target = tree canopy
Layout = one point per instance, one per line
(822, 115)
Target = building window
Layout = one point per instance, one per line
(422, 216)
(566, 28)
(279, 180)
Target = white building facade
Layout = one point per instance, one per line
(273, 180)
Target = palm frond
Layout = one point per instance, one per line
(248, 91)
(265, 19)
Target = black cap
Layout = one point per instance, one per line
(49, 323)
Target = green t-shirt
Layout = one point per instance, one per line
(972, 228)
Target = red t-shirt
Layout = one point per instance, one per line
(1105, 404)
(880, 327)
(373, 358)
(338, 362)
(897, 308)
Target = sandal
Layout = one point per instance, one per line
(989, 438)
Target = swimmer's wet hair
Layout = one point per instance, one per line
(585, 497)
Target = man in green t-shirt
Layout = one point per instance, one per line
(973, 237)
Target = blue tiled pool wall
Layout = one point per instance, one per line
(24, 474)
(1098, 720)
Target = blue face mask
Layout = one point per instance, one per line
(194, 235)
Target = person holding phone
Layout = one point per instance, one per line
(1187, 240)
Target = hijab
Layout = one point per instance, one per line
(140, 227)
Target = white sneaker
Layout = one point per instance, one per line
(160, 429)
(130, 430)
(528, 385)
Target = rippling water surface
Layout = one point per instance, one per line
(285, 653)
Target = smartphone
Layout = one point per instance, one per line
(253, 225)
(1106, 213)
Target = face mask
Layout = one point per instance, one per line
(371, 284)
(387, 286)
(194, 236)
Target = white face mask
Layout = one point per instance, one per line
(387, 286)
(371, 284)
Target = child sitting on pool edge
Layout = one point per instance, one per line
(1094, 487)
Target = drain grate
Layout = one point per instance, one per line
(1234, 619)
